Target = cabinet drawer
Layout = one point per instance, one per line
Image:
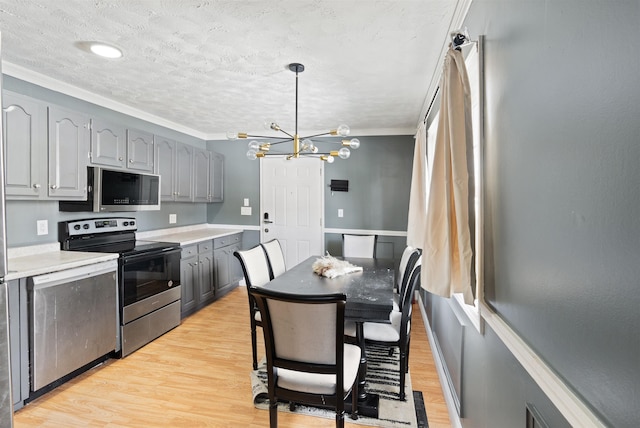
(189, 251)
(204, 247)
(226, 240)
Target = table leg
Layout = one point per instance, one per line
(367, 403)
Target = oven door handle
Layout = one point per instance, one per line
(148, 255)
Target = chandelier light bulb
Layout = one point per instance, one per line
(309, 146)
(252, 154)
(344, 153)
(343, 130)
(232, 135)
(254, 145)
(330, 159)
(354, 143)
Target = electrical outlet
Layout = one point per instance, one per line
(43, 227)
(245, 210)
(173, 218)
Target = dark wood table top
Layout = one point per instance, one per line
(369, 293)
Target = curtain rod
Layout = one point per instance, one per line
(459, 38)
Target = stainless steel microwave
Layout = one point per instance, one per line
(110, 190)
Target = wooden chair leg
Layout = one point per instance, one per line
(403, 374)
(254, 346)
(273, 414)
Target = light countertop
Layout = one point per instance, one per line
(34, 260)
(38, 263)
(186, 235)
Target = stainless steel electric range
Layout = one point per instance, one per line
(148, 276)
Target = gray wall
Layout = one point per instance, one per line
(379, 175)
(22, 215)
(562, 220)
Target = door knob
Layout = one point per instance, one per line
(268, 221)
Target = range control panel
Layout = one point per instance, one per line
(96, 225)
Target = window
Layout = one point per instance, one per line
(462, 310)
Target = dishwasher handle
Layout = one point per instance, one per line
(72, 274)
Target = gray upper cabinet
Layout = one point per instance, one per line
(139, 150)
(47, 150)
(108, 145)
(165, 164)
(174, 163)
(184, 172)
(25, 136)
(216, 177)
(201, 175)
(68, 153)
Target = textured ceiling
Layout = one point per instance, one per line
(218, 66)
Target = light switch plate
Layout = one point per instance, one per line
(245, 210)
(246, 202)
(340, 212)
(43, 227)
(173, 218)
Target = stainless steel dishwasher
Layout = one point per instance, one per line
(73, 320)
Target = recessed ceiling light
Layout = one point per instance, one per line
(105, 50)
(100, 48)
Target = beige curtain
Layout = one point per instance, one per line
(447, 252)
(418, 195)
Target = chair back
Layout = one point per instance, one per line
(403, 265)
(404, 275)
(275, 257)
(359, 245)
(407, 296)
(254, 266)
(303, 332)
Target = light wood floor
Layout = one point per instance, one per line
(197, 375)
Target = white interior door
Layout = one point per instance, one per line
(292, 204)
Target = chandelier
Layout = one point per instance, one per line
(302, 146)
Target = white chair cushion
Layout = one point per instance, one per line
(384, 332)
(315, 383)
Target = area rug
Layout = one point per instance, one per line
(383, 378)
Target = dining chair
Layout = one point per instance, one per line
(398, 331)
(407, 261)
(255, 268)
(307, 359)
(275, 257)
(359, 245)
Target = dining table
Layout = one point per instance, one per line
(369, 299)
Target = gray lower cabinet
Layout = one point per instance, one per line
(46, 149)
(19, 341)
(196, 277)
(227, 268)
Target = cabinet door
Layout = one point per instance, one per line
(235, 269)
(139, 150)
(68, 153)
(184, 173)
(216, 177)
(221, 268)
(24, 135)
(107, 143)
(200, 175)
(165, 155)
(206, 284)
(188, 278)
